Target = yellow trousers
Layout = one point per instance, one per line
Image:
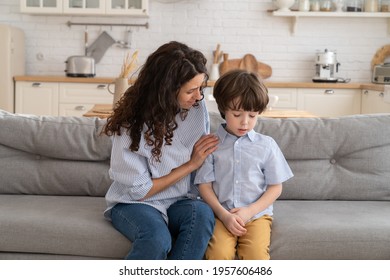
(254, 245)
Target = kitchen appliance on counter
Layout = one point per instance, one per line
(326, 67)
(381, 73)
(80, 66)
(12, 63)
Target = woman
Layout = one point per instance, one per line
(159, 139)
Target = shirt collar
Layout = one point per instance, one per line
(222, 133)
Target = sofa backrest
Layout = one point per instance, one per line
(345, 158)
(53, 155)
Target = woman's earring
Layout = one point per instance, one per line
(183, 114)
(201, 98)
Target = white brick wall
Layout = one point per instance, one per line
(241, 27)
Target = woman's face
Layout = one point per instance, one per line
(190, 92)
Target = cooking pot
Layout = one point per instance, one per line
(80, 66)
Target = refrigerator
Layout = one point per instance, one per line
(12, 63)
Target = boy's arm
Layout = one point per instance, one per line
(268, 198)
(208, 195)
(232, 222)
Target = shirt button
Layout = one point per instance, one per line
(236, 181)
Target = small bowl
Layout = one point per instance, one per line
(284, 5)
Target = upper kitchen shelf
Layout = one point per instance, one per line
(295, 15)
(86, 7)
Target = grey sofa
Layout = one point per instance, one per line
(54, 175)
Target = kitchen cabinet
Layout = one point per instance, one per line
(287, 98)
(329, 102)
(86, 7)
(374, 102)
(63, 99)
(322, 102)
(75, 99)
(41, 6)
(36, 98)
(126, 7)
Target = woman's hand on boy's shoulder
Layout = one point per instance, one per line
(205, 146)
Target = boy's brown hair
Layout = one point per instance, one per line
(240, 89)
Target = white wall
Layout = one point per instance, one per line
(241, 27)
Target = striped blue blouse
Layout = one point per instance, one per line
(132, 172)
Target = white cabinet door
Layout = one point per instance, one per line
(127, 7)
(41, 6)
(329, 102)
(36, 98)
(78, 98)
(86, 7)
(374, 102)
(287, 98)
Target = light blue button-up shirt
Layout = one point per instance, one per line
(132, 172)
(242, 167)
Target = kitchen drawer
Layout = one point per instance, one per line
(74, 109)
(374, 102)
(330, 102)
(287, 97)
(84, 93)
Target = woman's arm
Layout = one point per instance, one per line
(206, 145)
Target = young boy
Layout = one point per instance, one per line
(244, 176)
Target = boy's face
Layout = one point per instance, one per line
(240, 122)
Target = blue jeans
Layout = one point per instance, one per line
(190, 227)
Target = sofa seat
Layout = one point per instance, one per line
(331, 230)
(59, 225)
(54, 174)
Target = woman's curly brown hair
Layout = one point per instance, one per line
(152, 100)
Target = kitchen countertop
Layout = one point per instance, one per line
(107, 80)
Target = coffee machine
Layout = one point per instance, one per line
(326, 67)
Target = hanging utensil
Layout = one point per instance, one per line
(86, 40)
(100, 46)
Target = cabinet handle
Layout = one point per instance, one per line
(329, 91)
(381, 94)
(80, 108)
(365, 92)
(36, 84)
(101, 86)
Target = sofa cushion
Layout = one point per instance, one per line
(330, 230)
(59, 225)
(25, 173)
(73, 138)
(53, 155)
(345, 158)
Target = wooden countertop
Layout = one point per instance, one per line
(64, 79)
(107, 80)
(105, 110)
